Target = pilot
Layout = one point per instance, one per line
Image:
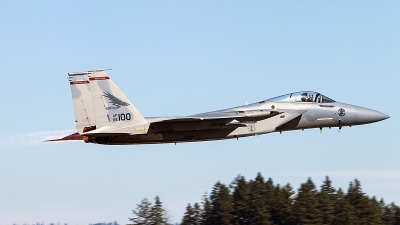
(318, 98)
(310, 97)
(304, 97)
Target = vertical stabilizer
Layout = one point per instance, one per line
(111, 107)
(82, 101)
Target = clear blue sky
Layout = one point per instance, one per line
(181, 58)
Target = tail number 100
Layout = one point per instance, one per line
(122, 117)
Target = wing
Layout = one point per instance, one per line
(226, 119)
(217, 119)
(232, 117)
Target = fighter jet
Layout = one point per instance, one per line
(104, 115)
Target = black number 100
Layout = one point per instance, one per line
(124, 116)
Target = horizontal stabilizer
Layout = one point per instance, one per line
(72, 137)
(117, 131)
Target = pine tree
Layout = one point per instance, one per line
(355, 198)
(241, 200)
(326, 199)
(396, 213)
(283, 209)
(387, 217)
(159, 214)
(260, 211)
(148, 214)
(143, 213)
(372, 212)
(188, 216)
(306, 205)
(270, 198)
(196, 214)
(221, 205)
(192, 215)
(343, 210)
(365, 209)
(206, 213)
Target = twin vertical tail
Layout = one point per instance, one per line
(98, 103)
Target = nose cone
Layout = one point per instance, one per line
(365, 115)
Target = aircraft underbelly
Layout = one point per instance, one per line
(171, 137)
(201, 131)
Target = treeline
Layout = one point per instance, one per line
(262, 202)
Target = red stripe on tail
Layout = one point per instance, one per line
(99, 78)
(79, 82)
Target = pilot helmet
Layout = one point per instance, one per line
(304, 97)
(310, 97)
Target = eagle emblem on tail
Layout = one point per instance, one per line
(116, 102)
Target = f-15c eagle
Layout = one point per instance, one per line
(103, 115)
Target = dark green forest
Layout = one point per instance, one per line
(260, 201)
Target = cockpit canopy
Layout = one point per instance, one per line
(303, 96)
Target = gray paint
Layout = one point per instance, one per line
(274, 115)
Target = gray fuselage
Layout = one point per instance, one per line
(283, 116)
